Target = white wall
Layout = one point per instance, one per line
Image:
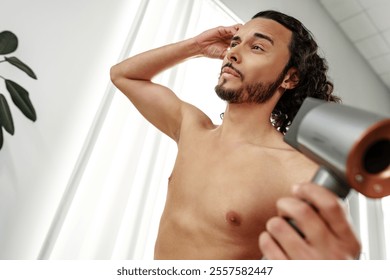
(70, 45)
(354, 80)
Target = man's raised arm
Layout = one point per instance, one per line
(158, 104)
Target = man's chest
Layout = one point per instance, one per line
(235, 191)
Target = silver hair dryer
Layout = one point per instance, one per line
(352, 147)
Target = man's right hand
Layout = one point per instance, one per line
(215, 42)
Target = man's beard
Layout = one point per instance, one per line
(255, 93)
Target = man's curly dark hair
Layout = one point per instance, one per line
(313, 80)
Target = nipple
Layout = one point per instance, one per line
(233, 218)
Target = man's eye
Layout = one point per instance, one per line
(233, 44)
(256, 47)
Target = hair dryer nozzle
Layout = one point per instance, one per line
(351, 143)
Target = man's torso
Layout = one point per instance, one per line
(221, 193)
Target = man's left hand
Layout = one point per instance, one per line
(321, 217)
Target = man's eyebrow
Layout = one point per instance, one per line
(257, 35)
(263, 36)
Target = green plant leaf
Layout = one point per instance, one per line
(21, 65)
(8, 42)
(5, 116)
(1, 137)
(21, 99)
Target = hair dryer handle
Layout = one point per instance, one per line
(327, 179)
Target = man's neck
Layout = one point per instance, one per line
(248, 123)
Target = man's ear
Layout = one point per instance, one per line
(291, 79)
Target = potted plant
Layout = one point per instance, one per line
(19, 95)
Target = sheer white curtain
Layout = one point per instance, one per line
(374, 228)
(113, 202)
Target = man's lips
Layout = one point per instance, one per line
(230, 70)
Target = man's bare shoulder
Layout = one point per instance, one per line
(192, 115)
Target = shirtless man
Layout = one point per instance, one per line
(233, 184)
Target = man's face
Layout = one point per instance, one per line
(252, 70)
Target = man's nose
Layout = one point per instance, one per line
(233, 55)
